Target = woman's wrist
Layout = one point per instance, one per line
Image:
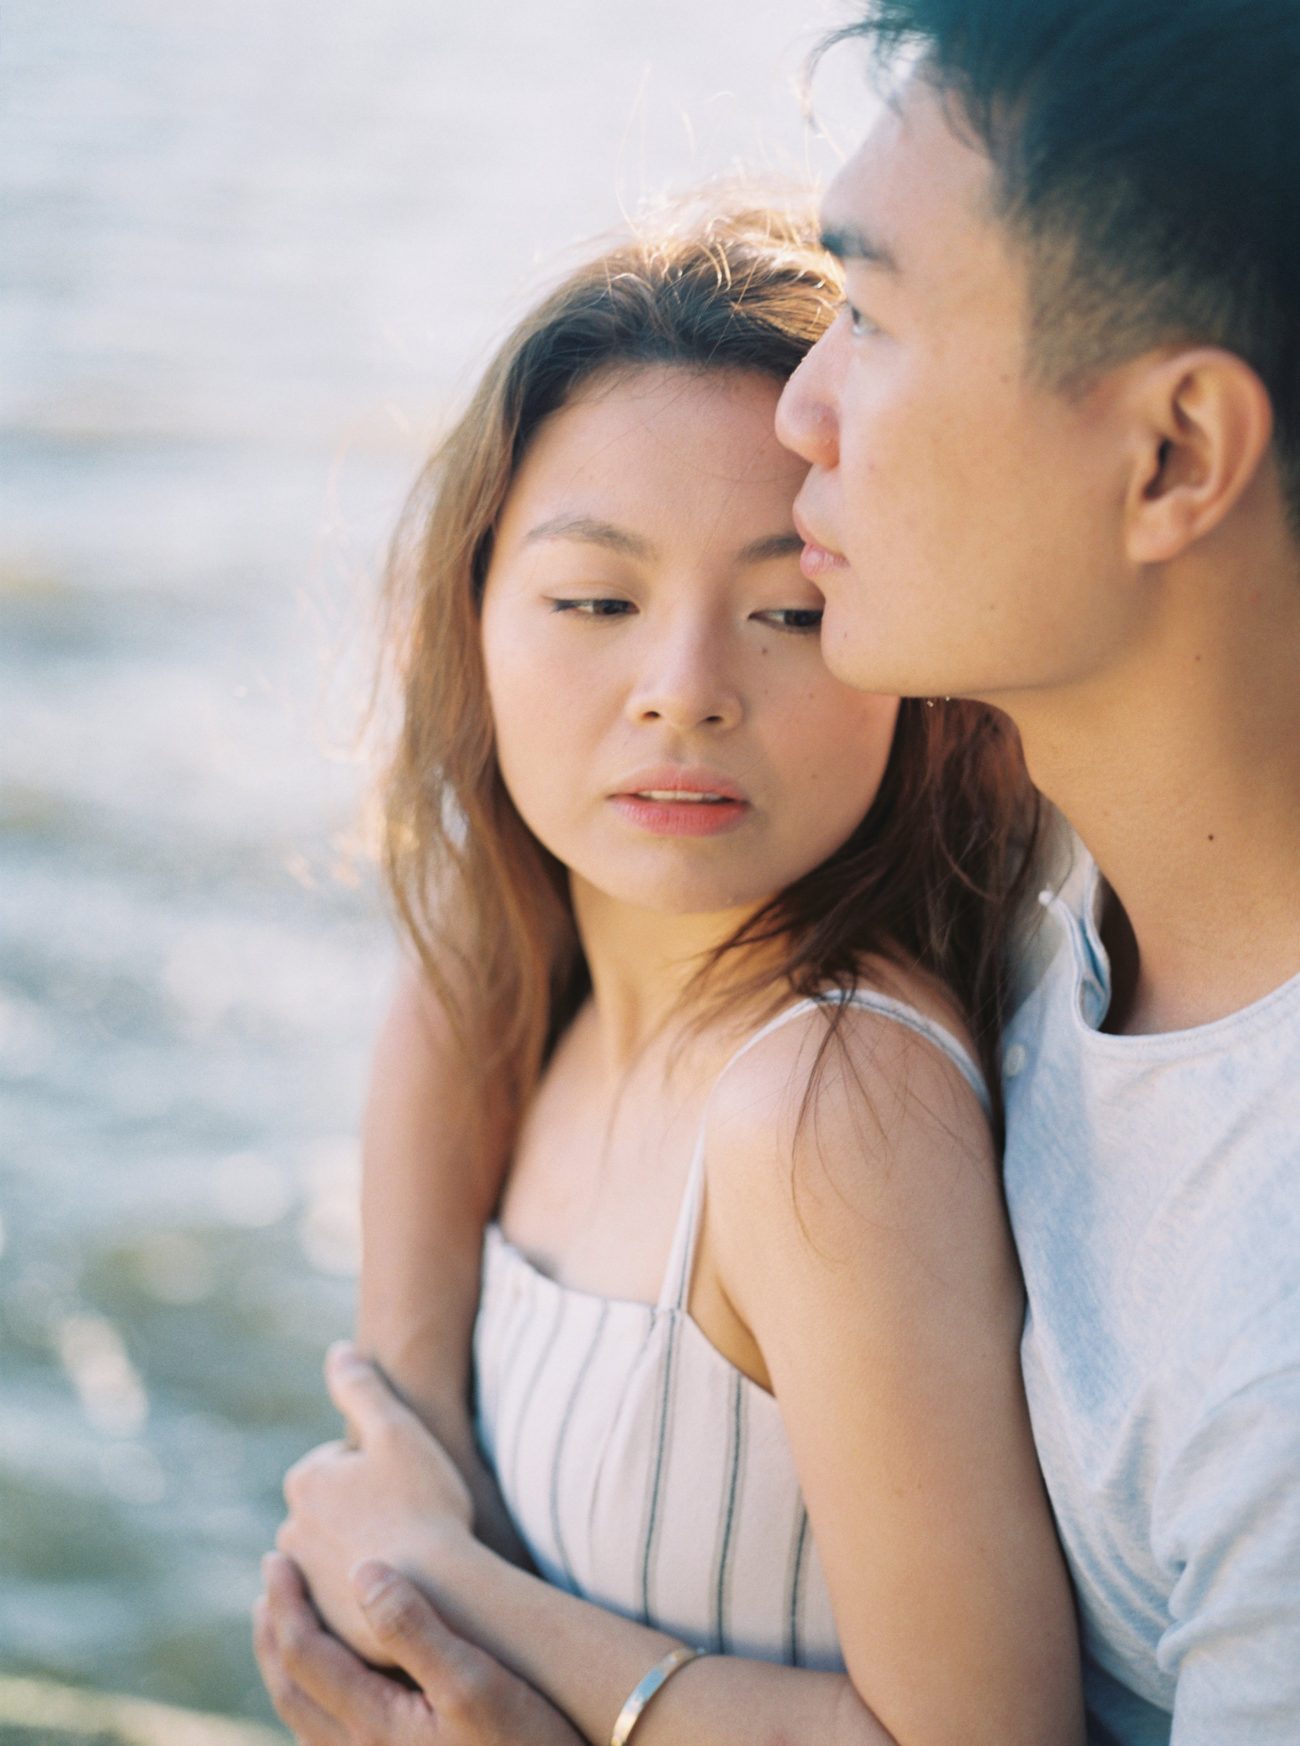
(444, 1558)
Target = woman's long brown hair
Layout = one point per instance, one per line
(931, 876)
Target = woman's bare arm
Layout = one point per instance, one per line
(869, 1254)
(397, 1491)
(866, 1249)
(431, 1175)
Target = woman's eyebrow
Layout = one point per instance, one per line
(590, 531)
(782, 545)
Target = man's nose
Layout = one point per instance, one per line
(806, 419)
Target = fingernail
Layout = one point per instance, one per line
(342, 1352)
(371, 1581)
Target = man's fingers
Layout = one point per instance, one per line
(357, 1701)
(306, 1721)
(285, 1587)
(361, 1394)
(404, 1620)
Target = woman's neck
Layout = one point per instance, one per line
(641, 963)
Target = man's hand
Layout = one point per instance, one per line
(326, 1696)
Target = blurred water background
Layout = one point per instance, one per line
(249, 256)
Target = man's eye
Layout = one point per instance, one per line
(860, 325)
(594, 606)
(793, 618)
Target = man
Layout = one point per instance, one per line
(1055, 464)
(1055, 447)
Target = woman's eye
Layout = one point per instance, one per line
(594, 606)
(793, 618)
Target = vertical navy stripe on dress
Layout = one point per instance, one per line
(657, 1471)
(792, 1644)
(561, 1303)
(630, 1379)
(558, 1456)
(720, 1621)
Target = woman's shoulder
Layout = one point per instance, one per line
(874, 1036)
(866, 1101)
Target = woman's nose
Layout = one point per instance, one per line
(806, 418)
(688, 685)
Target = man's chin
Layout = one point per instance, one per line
(865, 663)
(855, 659)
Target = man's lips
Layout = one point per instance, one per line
(817, 558)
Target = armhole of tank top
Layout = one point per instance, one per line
(681, 1256)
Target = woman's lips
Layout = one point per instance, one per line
(680, 801)
(665, 814)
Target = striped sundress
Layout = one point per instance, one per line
(642, 1469)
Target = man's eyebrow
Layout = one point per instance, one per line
(848, 242)
(589, 530)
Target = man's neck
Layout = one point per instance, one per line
(1182, 776)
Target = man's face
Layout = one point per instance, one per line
(968, 518)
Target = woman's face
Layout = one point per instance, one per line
(664, 721)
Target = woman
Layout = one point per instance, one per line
(714, 945)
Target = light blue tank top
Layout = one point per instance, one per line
(1153, 1183)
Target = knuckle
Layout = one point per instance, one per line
(470, 1689)
(294, 1711)
(291, 1640)
(385, 1435)
(263, 1637)
(295, 1480)
(281, 1690)
(300, 1480)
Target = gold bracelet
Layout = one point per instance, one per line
(659, 1674)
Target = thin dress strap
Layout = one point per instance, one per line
(681, 1257)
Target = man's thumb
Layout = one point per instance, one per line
(403, 1620)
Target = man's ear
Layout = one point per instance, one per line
(1203, 424)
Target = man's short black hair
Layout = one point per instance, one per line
(1147, 152)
